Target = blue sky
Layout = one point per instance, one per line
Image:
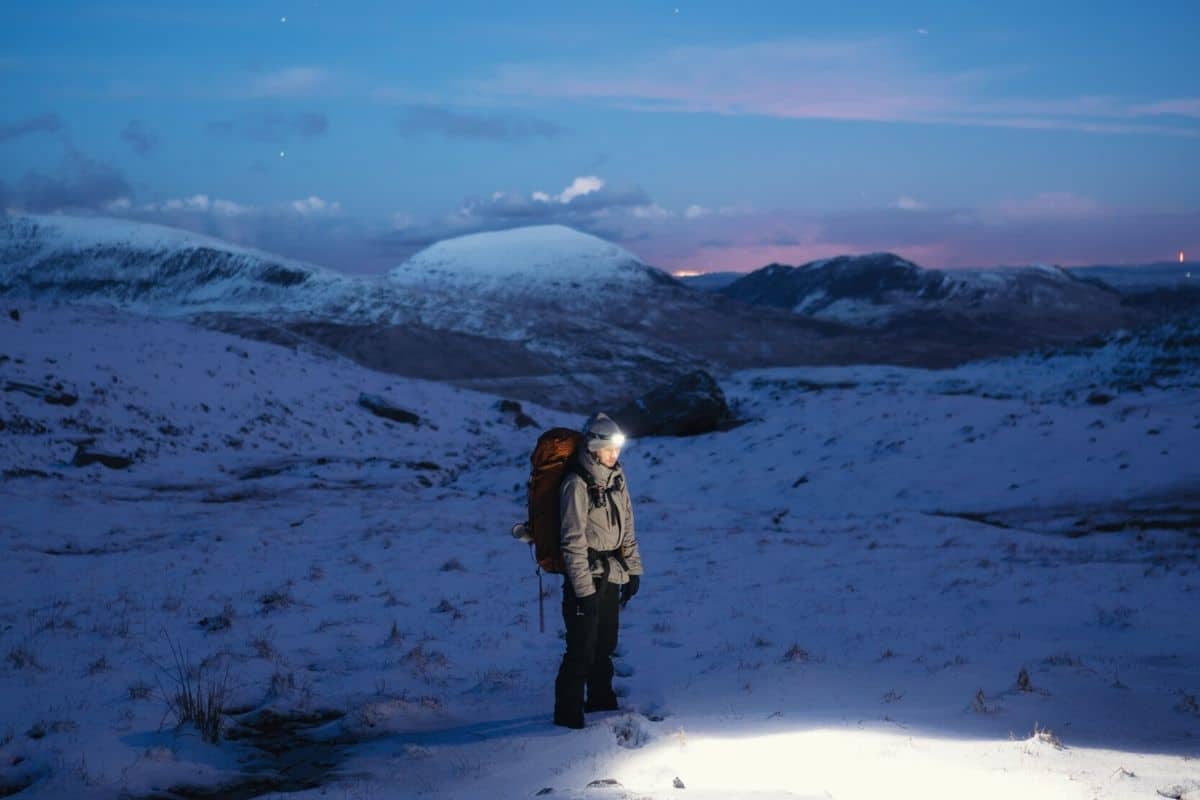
(701, 136)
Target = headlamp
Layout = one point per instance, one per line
(616, 440)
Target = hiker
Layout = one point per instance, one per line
(603, 570)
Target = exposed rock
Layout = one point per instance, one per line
(520, 418)
(14, 315)
(22, 472)
(24, 425)
(691, 405)
(217, 622)
(382, 408)
(605, 783)
(54, 396)
(85, 457)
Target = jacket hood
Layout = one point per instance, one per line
(602, 475)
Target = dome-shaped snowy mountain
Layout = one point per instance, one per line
(539, 259)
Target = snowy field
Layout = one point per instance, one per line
(888, 583)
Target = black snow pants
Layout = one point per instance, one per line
(587, 662)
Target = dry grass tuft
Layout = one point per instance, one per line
(197, 694)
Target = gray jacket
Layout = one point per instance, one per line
(607, 527)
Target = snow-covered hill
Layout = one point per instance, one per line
(880, 288)
(521, 283)
(889, 582)
(539, 259)
(164, 271)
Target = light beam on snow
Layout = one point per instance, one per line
(848, 763)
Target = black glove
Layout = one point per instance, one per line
(588, 606)
(629, 589)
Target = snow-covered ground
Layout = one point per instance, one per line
(887, 583)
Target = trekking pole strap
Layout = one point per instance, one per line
(541, 604)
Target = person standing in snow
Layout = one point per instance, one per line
(603, 570)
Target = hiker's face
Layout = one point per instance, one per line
(608, 456)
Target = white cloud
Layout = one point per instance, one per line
(650, 211)
(695, 211)
(905, 203)
(197, 202)
(291, 82)
(581, 186)
(229, 208)
(1183, 106)
(313, 205)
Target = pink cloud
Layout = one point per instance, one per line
(1049, 206)
(877, 80)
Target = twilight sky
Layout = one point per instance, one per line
(699, 135)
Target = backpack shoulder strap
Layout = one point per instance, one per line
(575, 468)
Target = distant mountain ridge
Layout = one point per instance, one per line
(880, 288)
(555, 315)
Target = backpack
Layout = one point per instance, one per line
(549, 464)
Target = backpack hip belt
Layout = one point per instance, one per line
(594, 555)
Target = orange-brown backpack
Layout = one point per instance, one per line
(549, 463)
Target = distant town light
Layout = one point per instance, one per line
(1180, 256)
(686, 273)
